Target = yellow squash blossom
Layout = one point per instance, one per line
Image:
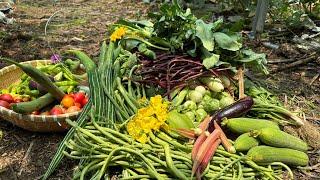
(151, 117)
(118, 33)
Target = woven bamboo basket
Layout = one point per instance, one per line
(36, 123)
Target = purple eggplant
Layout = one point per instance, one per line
(36, 86)
(236, 109)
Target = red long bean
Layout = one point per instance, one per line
(169, 71)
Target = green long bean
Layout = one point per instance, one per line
(170, 140)
(169, 160)
(85, 170)
(240, 173)
(125, 95)
(148, 163)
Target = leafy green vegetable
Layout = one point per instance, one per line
(255, 61)
(140, 32)
(178, 30)
(186, 33)
(210, 59)
(174, 24)
(226, 42)
(204, 33)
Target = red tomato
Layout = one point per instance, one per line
(78, 105)
(4, 104)
(56, 110)
(6, 97)
(79, 96)
(84, 101)
(73, 109)
(67, 101)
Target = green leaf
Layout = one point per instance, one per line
(217, 24)
(130, 44)
(226, 42)
(204, 33)
(147, 52)
(255, 61)
(193, 52)
(211, 61)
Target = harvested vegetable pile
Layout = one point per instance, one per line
(158, 96)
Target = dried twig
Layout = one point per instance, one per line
(276, 61)
(25, 158)
(311, 57)
(18, 139)
(314, 79)
(241, 83)
(310, 175)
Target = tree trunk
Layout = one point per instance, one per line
(260, 16)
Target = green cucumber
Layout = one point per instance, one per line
(39, 77)
(37, 104)
(245, 142)
(278, 138)
(244, 125)
(264, 155)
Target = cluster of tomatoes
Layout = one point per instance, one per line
(6, 100)
(70, 103)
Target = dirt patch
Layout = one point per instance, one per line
(25, 155)
(77, 24)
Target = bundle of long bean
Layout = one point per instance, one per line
(169, 71)
(99, 102)
(163, 157)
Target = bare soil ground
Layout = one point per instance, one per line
(83, 24)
